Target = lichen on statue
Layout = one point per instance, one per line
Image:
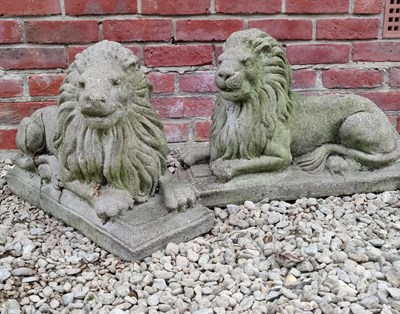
(104, 141)
(260, 125)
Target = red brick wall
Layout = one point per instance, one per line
(334, 46)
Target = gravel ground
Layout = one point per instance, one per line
(333, 255)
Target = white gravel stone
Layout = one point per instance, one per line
(274, 218)
(232, 209)
(172, 249)
(311, 250)
(68, 298)
(4, 274)
(12, 307)
(153, 300)
(192, 256)
(22, 271)
(54, 304)
(394, 293)
(249, 205)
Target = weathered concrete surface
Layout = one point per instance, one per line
(137, 233)
(290, 184)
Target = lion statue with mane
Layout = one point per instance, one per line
(260, 125)
(104, 140)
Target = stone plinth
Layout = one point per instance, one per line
(290, 184)
(138, 233)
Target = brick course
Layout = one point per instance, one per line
(352, 78)
(138, 30)
(82, 31)
(11, 87)
(320, 53)
(337, 29)
(317, 6)
(249, 6)
(203, 30)
(284, 29)
(176, 7)
(33, 58)
(88, 7)
(162, 56)
(10, 32)
(45, 85)
(29, 7)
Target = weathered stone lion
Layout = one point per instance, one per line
(104, 141)
(259, 125)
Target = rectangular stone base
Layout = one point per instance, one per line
(138, 233)
(290, 184)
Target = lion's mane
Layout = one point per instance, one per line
(131, 154)
(243, 130)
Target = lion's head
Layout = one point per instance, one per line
(254, 82)
(107, 130)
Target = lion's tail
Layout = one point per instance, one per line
(370, 160)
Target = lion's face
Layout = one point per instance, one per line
(101, 96)
(235, 74)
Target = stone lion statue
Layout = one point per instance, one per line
(260, 125)
(104, 141)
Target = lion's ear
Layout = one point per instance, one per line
(133, 63)
(262, 46)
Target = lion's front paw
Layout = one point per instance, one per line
(192, 155)
(112, 204)
(315, 161)
(179, 197)
(222, 169)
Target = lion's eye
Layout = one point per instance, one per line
(116, 81)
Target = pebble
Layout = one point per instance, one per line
(311, 250)
(12, 307)
(153, 300)
(393, 277)
(54, 304)
(274, 218)
(68, 298)
(4, 274)
(331, 255)
(23, 271)
(249, 205)
(394, 293)
(232, 209)
(106, 298)
(172, 249)
(192, 256)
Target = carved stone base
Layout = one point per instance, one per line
(290, 184)
(136, 234)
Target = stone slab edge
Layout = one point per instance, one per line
(291, 184)
(136, 234)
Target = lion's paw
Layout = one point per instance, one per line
(222, 169)
(112, 204)
(192, 155)
(179, 197)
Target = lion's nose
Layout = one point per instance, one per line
(95, 98)
(225, 74)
